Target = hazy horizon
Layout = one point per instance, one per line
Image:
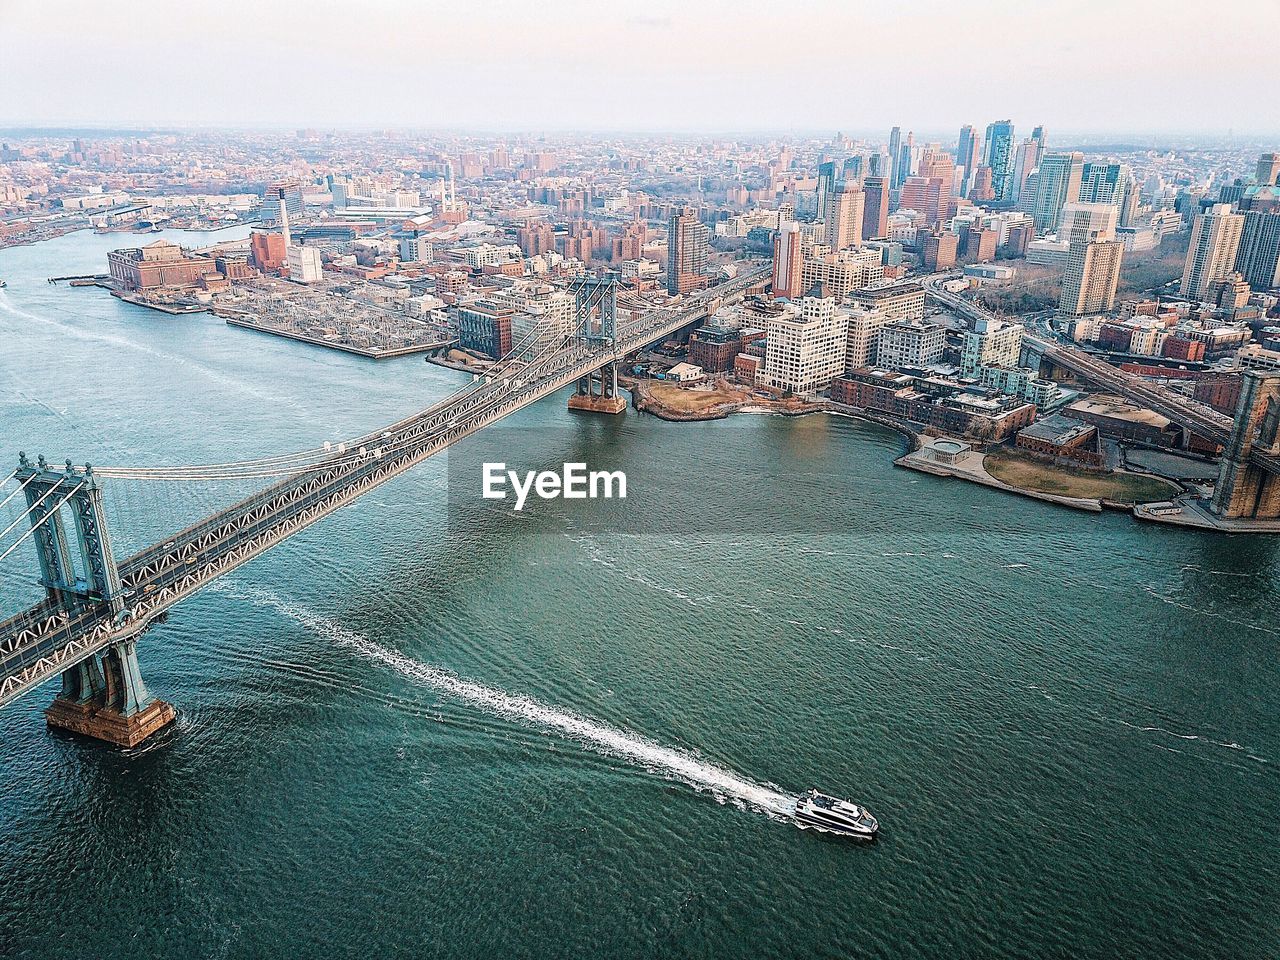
(746, 67)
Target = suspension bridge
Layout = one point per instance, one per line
(86, 627)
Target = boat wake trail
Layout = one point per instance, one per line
(668, 762)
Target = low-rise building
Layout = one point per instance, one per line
(485, 328)
(1120, 418)
(159, 264)
(1058, 436)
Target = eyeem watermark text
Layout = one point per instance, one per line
(574, 482)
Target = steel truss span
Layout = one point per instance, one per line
(52, 637)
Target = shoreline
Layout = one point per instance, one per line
(912, 460)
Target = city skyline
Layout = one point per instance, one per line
(717, 68)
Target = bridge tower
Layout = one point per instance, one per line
(102, 696)
(1244, 489)
(596, 306)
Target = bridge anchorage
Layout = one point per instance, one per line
(597, 316)
(102, 695)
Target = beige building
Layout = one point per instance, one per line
(843, 216)
(1094, 255)
(842, 272)
(864, 327)
(1215, 240)
(805, 348)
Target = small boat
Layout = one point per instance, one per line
(818, 811)
(3, 284)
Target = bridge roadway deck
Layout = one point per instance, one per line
(45, 640)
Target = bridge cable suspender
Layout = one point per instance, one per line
(48, 493)
(22, 486)
(43, 520)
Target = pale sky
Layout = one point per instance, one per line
(1136, 66)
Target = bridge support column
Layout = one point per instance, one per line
(596, 305)
(109, 701)
(607, 400)
(1244, 490)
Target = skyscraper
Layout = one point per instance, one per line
(981, 191)
(1268, 172)
(967, 156)
(687, 247)
(787, 261)
(826, 186)
(843, 217)
(1258, 259)
(1027, 159)
(1103, 182)
(1215, 241)
(1092, 272)
(875, 210)
(1057, 184)
(930, 192)
(905, 156)
(895, 152)
(997, 153)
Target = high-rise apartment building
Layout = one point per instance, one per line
(939, 251)
(927, 196)
(827, 186)
(982, 191)
(997, 153)
(843, 216)
(787, 261)
(1102, 182)
(992, 342)
(688, 244)
(839, 273)
(910, 343)
(1094, 256)
(1027, 159)
(1258, 259)
(863, 329)
(906, 159)
(1057, 184)
(1215, 241)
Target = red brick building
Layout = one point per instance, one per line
(160, 264)
(267, 251)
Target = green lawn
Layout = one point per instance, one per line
(1027, 472)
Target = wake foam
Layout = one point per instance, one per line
(667, 762)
